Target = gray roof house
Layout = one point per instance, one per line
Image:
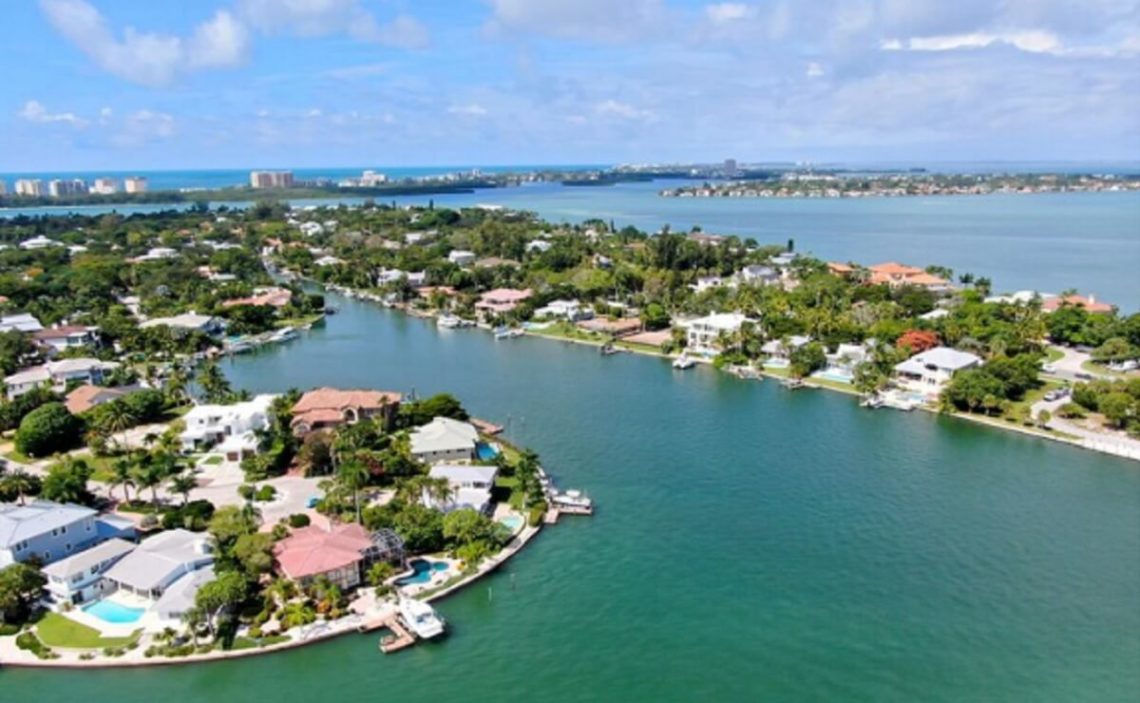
(470, 487)
(157, 563)
(444, 439)
(45, 530)
(79, 578)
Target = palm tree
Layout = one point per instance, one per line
(150, 475)
(21, 483)
(213, 383)
(175, 387)
(182, 484)
(353, 475)
(117, 416)
(122, 476)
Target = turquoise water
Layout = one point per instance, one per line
(485, 452)
(114, 613)
(836, 376)
(423, 570)
(512, 522)
(875, 556)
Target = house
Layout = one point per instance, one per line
(621, 327)
(783, 348)
(1089, 304)
(275, 297)
(707, 240)
(38, 242)
(324, 408)
(461, 257)
(501, 300)
(840, 269)
(570, 310)
(846, 359)
(538, 245)
(52, 531)
(493, 261)
(895, 275)
(785, 259)
(58, 374)
(339, 553)
(327, 261)
(59, 338)
(85, 397)
(444, 439)
(22, 322)
(757, 275)
(705, 283)
(232, 428)
(929, 372)
(703, 334)
(171, 563)
(79, 578)
(470, 487)
(187, 322)
(156, 254)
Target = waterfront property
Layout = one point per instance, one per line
(60, 338)
(231, 428)
(47, 531)
(340, 553)
(571, 310)
(328, 408)
(164, 572)
(444, 439)
(929, 372)
(501, 300)
(469, 487)
(187, 322)
(79, 578)
(779, 350)
(703, 335)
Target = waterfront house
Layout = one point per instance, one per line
(340, 553)
(757, 275)
(444, 439)
(930, 371)
(783, 348)
(85, 397)
(274, 297)
(707, 240)
(233, 428)
(325, 408)
(57, 374)
(328, 261)
(785, 259)
(158, 563)
(705, 283)
(469, 487)
(570, 310)
(79, 578)
(461, 257)
(187, 322)
(38, 242)
(1089, 304)
(501, 300)
(51, 531)
(895, 275)
(58, 338)
(20, 322)
(540, 246)
(703, 334)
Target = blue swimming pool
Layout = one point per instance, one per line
(114, 613)
(486, 452)
(512, 522)
(837, 376)
(422, 571)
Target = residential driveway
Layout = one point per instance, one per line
(1070, 365)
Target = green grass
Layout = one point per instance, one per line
(568, 331)
(1053, 354)
(1101, 370)
(55, 630)
(213, 460)
(252, 643)
(15, 455)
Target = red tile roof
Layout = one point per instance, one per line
(1090, 304)
(312, 551)
(86, 397)
(336, 399)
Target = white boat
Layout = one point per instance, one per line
(283, 335)
(421, 618)
(683, 362)
(508, 333)
(449, 321)
(572, 501)
(872, 401)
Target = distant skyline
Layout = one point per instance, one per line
(121, 85)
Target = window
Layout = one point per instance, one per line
(47, 556)
(63, 530)
(68, 546)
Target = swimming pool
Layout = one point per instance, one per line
(837, 376)
(422, 571)
(512, 522)
(486, 452)
(114, 613)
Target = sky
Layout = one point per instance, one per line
(139, 84)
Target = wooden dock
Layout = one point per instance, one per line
(551, 516)
(400, 638)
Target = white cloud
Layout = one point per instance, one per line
(726, 12)
(623, 110)
(814, 70)
(590, 20)
(1032, 41)
(315, 18)
(470, 110)
(147, 57)
(34, 111)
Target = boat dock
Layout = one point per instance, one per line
(401, 637)
(486, 427)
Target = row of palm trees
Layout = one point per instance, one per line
(142, 471)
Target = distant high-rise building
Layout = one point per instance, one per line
(730, 167)
(3, 187)
(105, 186)
(270, 179)
(30, 186)
(134, 184)
(60, 187)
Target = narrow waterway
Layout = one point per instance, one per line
(750, 544)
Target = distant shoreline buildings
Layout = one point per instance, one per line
(65, 187)
(270, 179)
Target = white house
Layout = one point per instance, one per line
(187, 322)
(38, 242)
(161, 565)
(708, 283)
(58, 374)
(570, 310)
(703, 333)
(52, 531)
(470, 487)
(848, 356)
(461, 257)
(22, 322)
(929, 372)
(79, 578)
(327, 261)
(781, 348)
(232, 427)
(158, 254)
(444, 439)
(538, 245)
(63, 337)
(758, 275)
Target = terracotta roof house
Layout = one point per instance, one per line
(895, 274)
(277, 297)
(1090, 304)
(842, 270)
(338, 553)
(501, 300)
(324, 408)
(88, 396)
(62, 337)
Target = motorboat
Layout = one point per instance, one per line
(572, 501)
(283, 335)
(683, 362)
(449, 321)
(421, 618)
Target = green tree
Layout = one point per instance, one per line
(48, 429)
(353, 476)
(183, 484)
(1118, 407)
(20, 587)
(254, 553)
(227, 591)
(66, 482)
(18, 485)
(214, 384)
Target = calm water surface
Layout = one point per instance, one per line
(750, 544)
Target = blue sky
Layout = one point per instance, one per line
(120, 84)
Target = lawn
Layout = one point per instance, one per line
(55, 630)
(1053, 354)
(1102, 370)
(213, 460)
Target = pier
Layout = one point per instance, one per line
(401, 637)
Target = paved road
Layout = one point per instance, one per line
(1107, 441)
